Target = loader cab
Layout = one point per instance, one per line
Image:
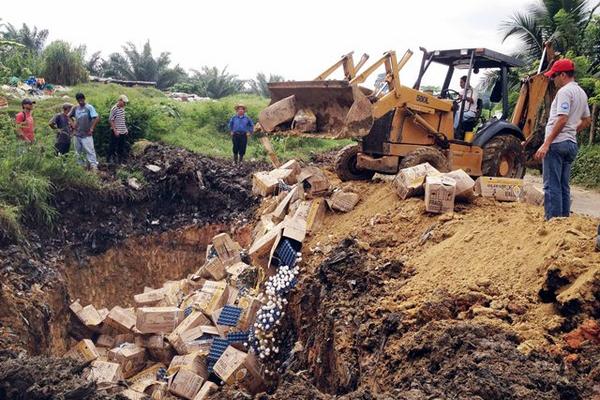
(470, 62)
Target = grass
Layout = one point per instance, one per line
(586, 168)
(30, 175)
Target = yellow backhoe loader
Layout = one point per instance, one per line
(397, 126)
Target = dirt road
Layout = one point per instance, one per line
(585, 201)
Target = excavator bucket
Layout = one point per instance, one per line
(341, 110)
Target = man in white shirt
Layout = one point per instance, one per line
(470, 100)
(569, 114)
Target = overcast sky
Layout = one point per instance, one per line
(294, 39)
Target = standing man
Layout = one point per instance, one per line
(569, 114)
(119, 130)
(24, 121)
(86, 119)
(240, 126)
(63, 124)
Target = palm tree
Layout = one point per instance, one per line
(560, 21)
(214, 83)
(259, 85)
(142, 66)
(32, 39)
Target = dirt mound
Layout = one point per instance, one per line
(41, 378)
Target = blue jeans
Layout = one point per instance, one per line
(557, 171)
(85, 148)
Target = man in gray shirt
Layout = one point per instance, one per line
(569, 114)
(86, 119)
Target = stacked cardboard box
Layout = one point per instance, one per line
(183, 337)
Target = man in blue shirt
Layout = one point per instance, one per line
(240, 126)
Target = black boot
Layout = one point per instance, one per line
(235, 158)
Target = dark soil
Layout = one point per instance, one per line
(353, 349)
(45, 378)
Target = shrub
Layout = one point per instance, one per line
(64, 65)
(586, 169)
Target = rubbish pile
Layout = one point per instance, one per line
(220, 325)
(35, 88)
(185, 97)
(441, 190)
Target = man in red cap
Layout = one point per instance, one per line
(569, 114)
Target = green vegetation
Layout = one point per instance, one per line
(64, 65)
(29, 175)
(587, 166)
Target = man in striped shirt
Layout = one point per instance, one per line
(119, 130)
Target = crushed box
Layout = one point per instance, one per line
(313, 180)
(131, 357)
(502, 189)
(227, 249)
(84, 351)
(105, 372)
(263, 184)
(120, 319)
(158, 319)
(409, 181)
(150, 297)
(313, 212)
(142, 380)
(532, 195)
(88, 315)
(185, 384)
(213, 295)
(439, 194)
(206, 390)
(343, 201)
(464, 184)
(235, 366)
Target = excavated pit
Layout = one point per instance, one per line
(392, 303)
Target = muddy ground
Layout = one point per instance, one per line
(489, 303)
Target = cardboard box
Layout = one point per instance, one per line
(88, 315)
(313, 212)
(251, 305)
(120, 319)
(235, 270)
(343, 201)
(185, 384)
(84, 351)
(158, 319)
(294, 228)
(502, 189)
(131, 357)
(286, 175)
(142, 380)
(293, 165)
(314, 181)
(212, 296)
(227, 249)
(439, 194)
(213, 269)
(173, 294)
(282, 207)
(123, 338)
(464, 184)
(277, 113)
(152, 341)
(178, 337)
(195, 362)
(105, 340)
(263, 184)
(235, 366)
(263, 245)
(263, 226)
(105, 372)
(149, 298)
(207, 389)
(409, 181)
(532, 195)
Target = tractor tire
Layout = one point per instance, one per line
(345, 165)
(431, 155)
(503, 156)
